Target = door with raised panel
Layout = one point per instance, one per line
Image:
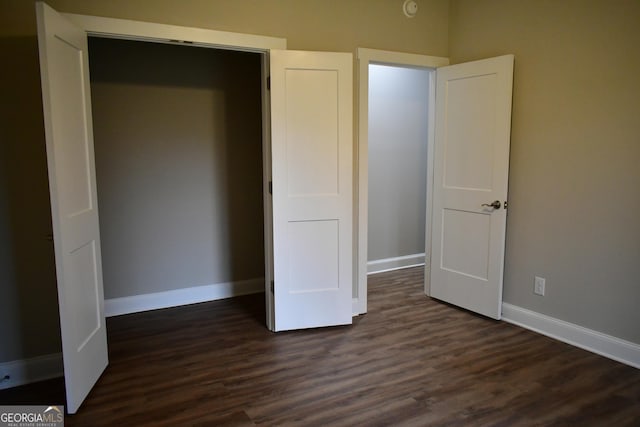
(311, 110)
(64, 72)
(471, 165)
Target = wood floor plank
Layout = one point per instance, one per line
(411, 361)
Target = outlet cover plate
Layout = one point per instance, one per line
(539, 285)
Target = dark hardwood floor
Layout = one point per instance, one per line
(410, 361)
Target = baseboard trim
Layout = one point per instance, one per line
(596, 342)
(395, 263)
(26, 371)
(178, 297)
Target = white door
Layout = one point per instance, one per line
(311, 107)
(64, 71)
(471, 165)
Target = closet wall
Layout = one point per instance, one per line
(179, 165)
(398, 112)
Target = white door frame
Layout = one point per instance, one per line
(171, 34)
(365, 58)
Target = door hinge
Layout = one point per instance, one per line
(270, 187)
(268, 82)
(272, 286)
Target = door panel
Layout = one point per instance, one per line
(320, 271)
(311, 130)
(465, 250)
(74, 207)
(470, 128)
(311, 99)
(471, 165)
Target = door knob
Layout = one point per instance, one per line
(495, 205)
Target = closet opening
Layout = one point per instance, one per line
(179, 166)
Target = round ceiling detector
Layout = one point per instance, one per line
(410, 8)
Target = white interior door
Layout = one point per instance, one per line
(74, 206)
(471, 165)
(312, 149)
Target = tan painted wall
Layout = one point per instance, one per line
(28, 305)
(574, 189)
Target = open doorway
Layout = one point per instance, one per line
(398, 136)
(375, 66)
(178, 148)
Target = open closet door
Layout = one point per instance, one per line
(312, 150)
(64, 71)
(471, 166)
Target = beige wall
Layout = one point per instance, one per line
(28, 304)
(574, 188)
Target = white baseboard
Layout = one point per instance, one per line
(605, 345)
(395, 263)
(25, 371)
(177, 297)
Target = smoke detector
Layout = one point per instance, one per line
(410, 8)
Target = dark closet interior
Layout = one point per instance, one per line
(178, 148)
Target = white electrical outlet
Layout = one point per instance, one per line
(538, 285)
